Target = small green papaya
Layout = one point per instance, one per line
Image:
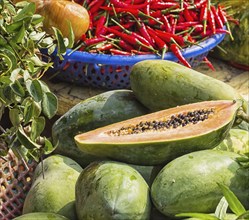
(236, 141)
(111, 190)
(161, 84)
(100, 110)
(188, 184)
(41, 216)
(53, 187)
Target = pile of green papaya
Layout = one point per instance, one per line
(77, 184)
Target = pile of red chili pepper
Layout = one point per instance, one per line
(135, 27)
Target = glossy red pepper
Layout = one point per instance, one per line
(119, 52)
(177, 52)
(211, 21)
(121, 4)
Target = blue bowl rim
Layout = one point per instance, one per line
(189, 52)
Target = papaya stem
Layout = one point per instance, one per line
(242, 115)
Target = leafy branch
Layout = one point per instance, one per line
(28, 99)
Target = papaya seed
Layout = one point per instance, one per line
(174, 121)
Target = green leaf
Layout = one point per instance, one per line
(28, 111)
(233, 202)
(17, 88)
(14, 116)
(37, 126)
(35, 90)
(49, 148)
(221, 208)
(244, 216)
(25, 140)
(71, 36)
(61, 48)
(19, 35)
(28, 10)
(49, 104)
(197, 215)
(37, 19)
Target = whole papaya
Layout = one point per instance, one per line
(161, 84)
(111, 190)
(188, 184)
(53, 187)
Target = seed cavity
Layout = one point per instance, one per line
(171, 122)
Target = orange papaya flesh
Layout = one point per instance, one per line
(159, 137)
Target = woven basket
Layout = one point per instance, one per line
(113, 71)
(15, 182)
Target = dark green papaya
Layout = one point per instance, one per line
(110, 190)
(159, 137)
(236, 141)
(98, 111)
(188, 184)
(161, 84)
(41, 216)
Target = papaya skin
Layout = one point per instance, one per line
(188, 184)
(159, 147)
(41, 216)
(161, 84)
(59, 13)
(236, 141)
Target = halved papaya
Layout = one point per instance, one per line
(161, 136)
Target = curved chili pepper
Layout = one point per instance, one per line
(119, 52)
(176, 51)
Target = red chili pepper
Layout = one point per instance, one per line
(157, 5)
(169, 37)
(95, 7)
(166, 23)
(134, 34)
(176, 51)
(119, 52)
(96, 40)
(147, 8)
(159, 42)
(200, 3)
(222, 16)
(138, 52)
(100, 26)
(210, 65)
(211, 21)
(218, 31)
(203, 17)
(120, 4)
(217, 17)
(187, 15)
(129, 38)
(105, 47)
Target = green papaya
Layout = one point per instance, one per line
(53, 187)
(159, 137)
(41, 216)
(111, 190)
(100, 110)
(188, 184)
(161, 84)
(236, 141)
